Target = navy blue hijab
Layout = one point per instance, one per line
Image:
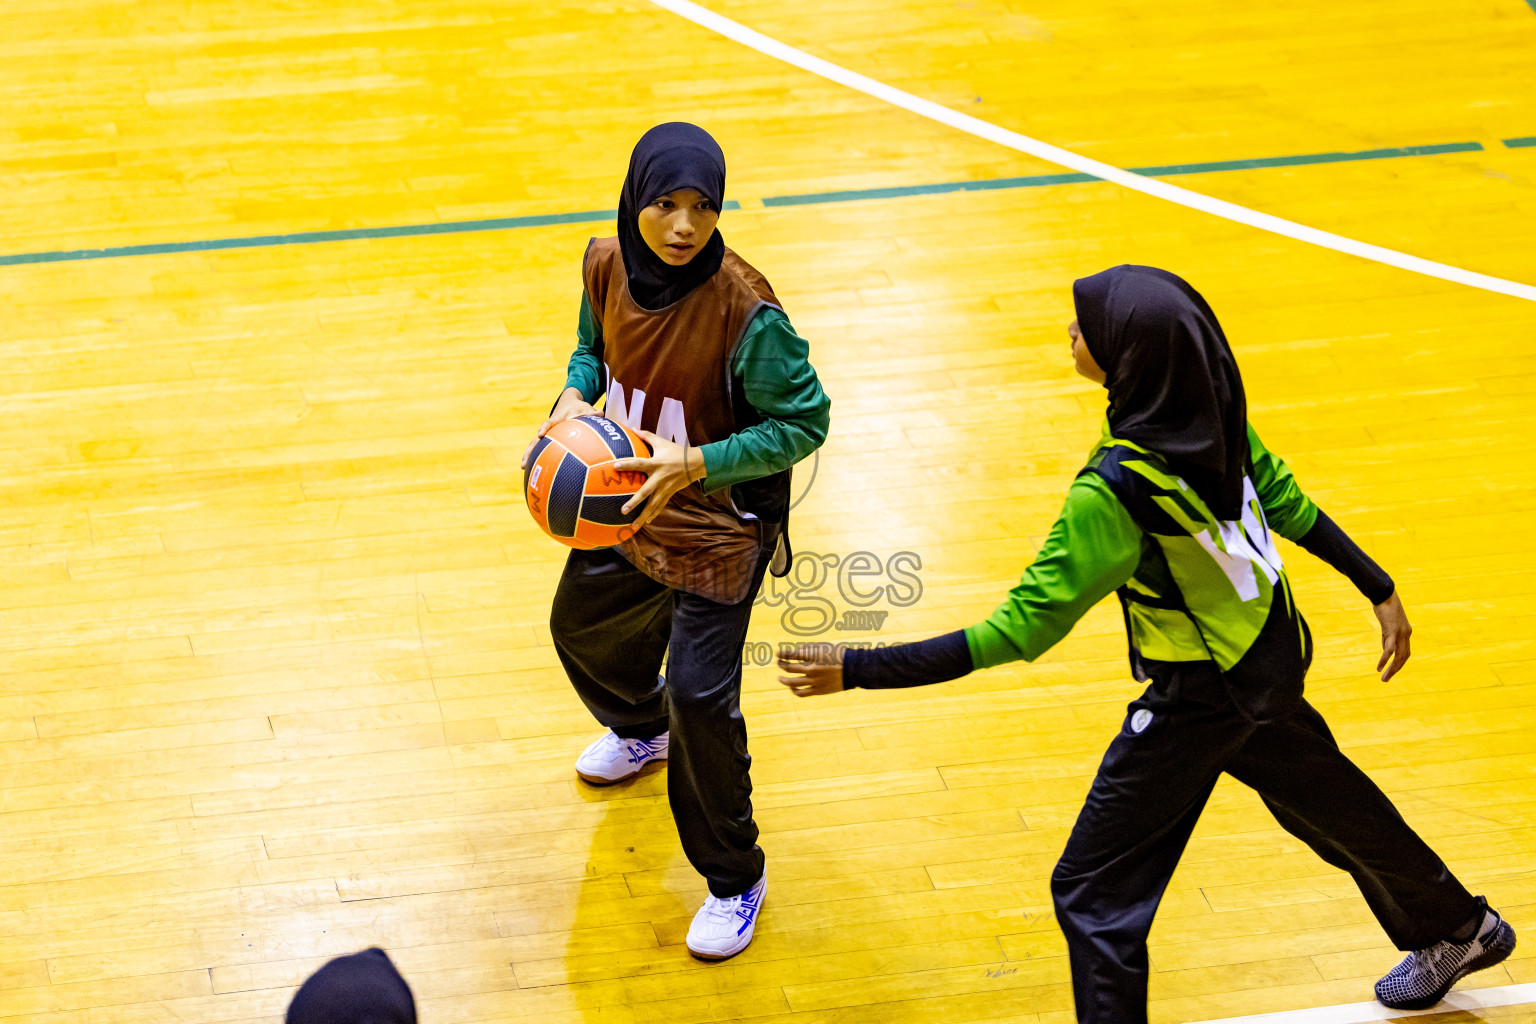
(1173, 382)
(363, 988)
(669, 157)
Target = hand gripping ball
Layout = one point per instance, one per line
(572, 488)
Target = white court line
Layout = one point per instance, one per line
(1066, 158)
(1361, 1013)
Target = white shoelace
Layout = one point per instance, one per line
(721, 910)
(1428, 959)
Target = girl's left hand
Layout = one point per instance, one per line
(670, 468)
(1395, 632)
(814, 669)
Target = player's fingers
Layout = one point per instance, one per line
(646, 466)
(797, 681)
(655, 503)
(1403, 653)
(665, 488)
(643, 494)
(818, 654)
(1390, 653)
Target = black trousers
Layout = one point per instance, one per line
(1178, 737)
(611, 625)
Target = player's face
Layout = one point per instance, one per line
(677, 225)
(1082, 357)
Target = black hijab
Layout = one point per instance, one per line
(363, 988)
(1173, 382)
(669, 157)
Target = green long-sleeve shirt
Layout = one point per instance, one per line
(773, 364)
(1095, 548)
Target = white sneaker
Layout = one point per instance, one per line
(723, 928)
(613, 758)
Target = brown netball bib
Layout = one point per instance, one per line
(669, 371)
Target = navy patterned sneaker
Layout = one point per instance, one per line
(1426, 975)
(723, 928)
(614, 758)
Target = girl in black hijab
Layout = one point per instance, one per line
(687, 343)
(1174, 512)
(669, 158)
(1173, 384)
(363, 988)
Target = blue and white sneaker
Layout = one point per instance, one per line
(614, 758)
(723, 928)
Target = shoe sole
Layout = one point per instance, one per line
(715, 958)
(1490, 957)
(597, 780)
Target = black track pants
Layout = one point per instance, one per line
(1150, 789)
(611, 625)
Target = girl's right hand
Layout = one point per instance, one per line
(814, 669)
(570, 406)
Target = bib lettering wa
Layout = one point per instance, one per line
(669, 371)
(671, 424)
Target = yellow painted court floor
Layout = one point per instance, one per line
(275, 673)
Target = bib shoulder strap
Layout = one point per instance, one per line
(1137, 476)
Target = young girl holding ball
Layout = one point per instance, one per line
(691, 348)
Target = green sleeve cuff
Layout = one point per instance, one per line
(719, 471)
(1301, 524)
(989, 646)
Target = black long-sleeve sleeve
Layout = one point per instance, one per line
(1330, 543)
(928, 661)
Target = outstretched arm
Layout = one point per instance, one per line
(1092, 549)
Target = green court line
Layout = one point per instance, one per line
(1529, 140)
(1160, 171)
(595, 216)
(311, 237)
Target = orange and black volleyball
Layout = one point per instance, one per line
(573, 490)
